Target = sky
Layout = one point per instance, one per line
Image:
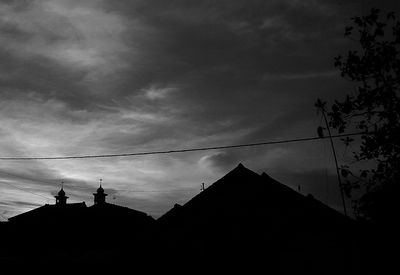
(113, 77)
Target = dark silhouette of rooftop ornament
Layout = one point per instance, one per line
(100, 196)
(61, 198)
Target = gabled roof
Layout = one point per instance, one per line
(247, 221)
(243, 193)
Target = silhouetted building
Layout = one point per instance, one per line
(78, 213)
(59, 214)
(99, 196)
(52, 214)
(243, 220)
(61, 198)
(246, 220)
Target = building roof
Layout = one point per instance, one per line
(112, 211)
(100, 190)
(61, 192)
(245, 219)
(48, 213)
(244, 193)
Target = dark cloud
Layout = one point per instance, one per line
(219, 54)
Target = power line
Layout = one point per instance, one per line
(3, 217)
(177, 150)
(25, 177)
(154, 191)
(24, 190)
(155, 153)
(90, 188)
(112, 189)
(134, 190)
(336, 161)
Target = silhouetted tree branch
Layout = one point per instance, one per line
(375, 109)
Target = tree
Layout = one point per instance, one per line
(373, 109)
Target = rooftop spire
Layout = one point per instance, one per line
(100, 196)
(61, 198)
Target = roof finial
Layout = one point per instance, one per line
(62, 184)
(101, 180)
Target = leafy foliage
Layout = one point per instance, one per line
(373, 108)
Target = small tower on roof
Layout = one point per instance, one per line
(100, 196)
(61, 198)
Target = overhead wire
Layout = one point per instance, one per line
(3, 217)
(326, 171)
(22, 189)
(153, 191)
(156, 153)
(326, 162)
(176, 150)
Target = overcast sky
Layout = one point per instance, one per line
(110, 77)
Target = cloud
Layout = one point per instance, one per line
(68, 32)
(99, 77)
(68, 49)
(221, 161)
(154, 92)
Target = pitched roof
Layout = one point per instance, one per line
(49, 212)
(244, 193)
(245, 220)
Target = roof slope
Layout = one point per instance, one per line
(112, 213)
(245, 219)
(243, 193)
(48, 213)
